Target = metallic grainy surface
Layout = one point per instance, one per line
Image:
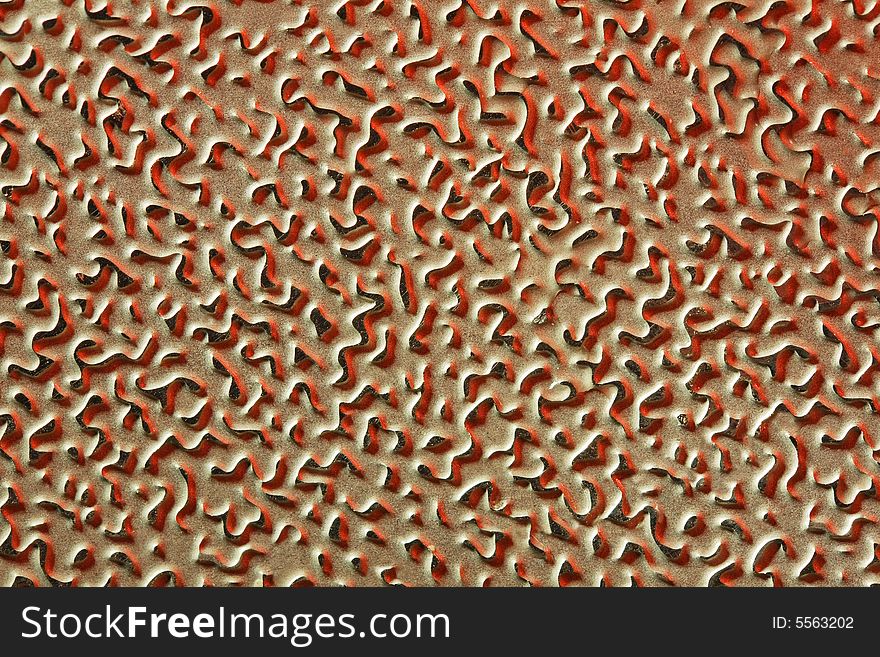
(460, 292)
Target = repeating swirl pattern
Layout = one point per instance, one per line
(453, 292)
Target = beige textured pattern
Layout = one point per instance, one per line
(456, 293)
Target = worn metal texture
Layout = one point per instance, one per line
(453, 293)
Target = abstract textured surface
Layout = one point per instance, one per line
(459, 292)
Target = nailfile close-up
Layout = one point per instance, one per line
(454, 293)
